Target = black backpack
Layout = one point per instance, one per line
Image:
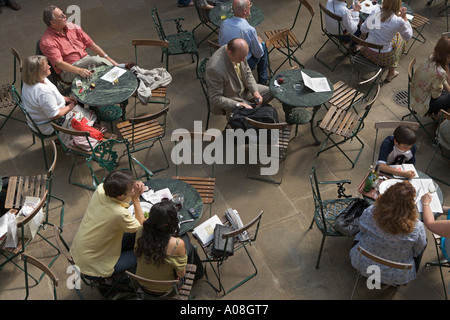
(263, 113)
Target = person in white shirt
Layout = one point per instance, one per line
(40, 97)
(389, 27)
(350, 19)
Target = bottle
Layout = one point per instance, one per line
(377, 176)
(370, 178)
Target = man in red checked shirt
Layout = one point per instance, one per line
(64, 44)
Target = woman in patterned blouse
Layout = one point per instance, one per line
(391, 230)
(430, 89)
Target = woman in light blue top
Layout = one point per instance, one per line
(391, 230)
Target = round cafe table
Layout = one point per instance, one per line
(105, 92)
(363, 15)
(296, 97)
(223, 11)
(192, 199)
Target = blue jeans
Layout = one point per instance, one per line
(184, 2)
(261, 66)
(127, 259)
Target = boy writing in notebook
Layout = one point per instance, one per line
(398, 149)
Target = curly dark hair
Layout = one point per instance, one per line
(161, 225)
(395, 210)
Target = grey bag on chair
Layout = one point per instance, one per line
(347, 222)
(219, 243)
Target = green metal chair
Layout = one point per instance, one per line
(175, 292)
(203, 16)
(27, 259)
(105, 155)
(11, 253)
(143, 132)
(343, 47)
(345, 125)
(182, 42)
(202, 78)
(443, 115)
(412, 113)
(289, 46)
(36, 132)
(247, 239)
(418, 23)
(326, 211)
(7, 98)
(365, 68)
(377, 260)
(159, 95)
(73, 150)
(389, 125)
(283, 133)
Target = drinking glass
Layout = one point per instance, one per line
(178, 200)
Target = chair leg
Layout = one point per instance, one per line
(320, 251)
(439, 263)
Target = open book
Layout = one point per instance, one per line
(316, 84)
(423, 186)
(404, 167)
(205, 231)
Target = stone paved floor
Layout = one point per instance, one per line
(286, 250)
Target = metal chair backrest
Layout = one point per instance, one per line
(388, 263)
(71, 132)
(324, 10)
(147, 42)
(390, 125)
(311, 12)
(146, 282)
(158, 24)
(38, 264)
(17, 63)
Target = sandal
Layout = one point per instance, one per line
(389, 79)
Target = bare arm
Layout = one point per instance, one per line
(439, 227)
(138, 189)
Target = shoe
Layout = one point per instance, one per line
(186, 5)
(129, 65)
(14, 5)
(389, 79)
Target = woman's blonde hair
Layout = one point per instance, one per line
(395, 210)
(389, 8)
(32, 67)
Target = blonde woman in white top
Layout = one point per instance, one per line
(389, 27)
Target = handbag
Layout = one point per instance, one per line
(218, 247)
(347, 222)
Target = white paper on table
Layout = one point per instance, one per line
(409, 17)
(421, 186)
(367, 6)
(156, 196)
(110, 76)
(316, 84)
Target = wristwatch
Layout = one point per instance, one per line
(238, 105)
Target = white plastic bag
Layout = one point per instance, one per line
(31, 228)
(11, 236)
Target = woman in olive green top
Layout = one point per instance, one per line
(160, 254)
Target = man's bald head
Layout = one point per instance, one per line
(237, 50)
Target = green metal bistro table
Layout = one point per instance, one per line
(192, 199)
(370, 196)
(105, 93)
(296, 97)
(223, 11)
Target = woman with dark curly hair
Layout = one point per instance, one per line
(160, 253)
(391, 230)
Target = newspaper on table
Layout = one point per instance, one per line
(316, 84)
(423, 186)
(236, 223)
(113, 74)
